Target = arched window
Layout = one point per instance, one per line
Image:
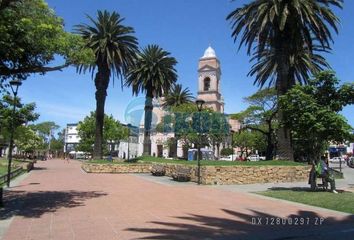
(206, 84)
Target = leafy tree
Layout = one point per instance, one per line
(31, 36)
(153, 73)
(113, 132)
(195, 128)
(260, 116)
(226, 151)
(312, 114)
(114, 47)
(27, 140)
(266, 27)
(46, 131)
(177, 96)
(217, 131)
(249, 140)
(24, 114)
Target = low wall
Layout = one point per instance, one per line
(214, 175)
(116, 168)
(256, 174)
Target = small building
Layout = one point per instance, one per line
(72, 138)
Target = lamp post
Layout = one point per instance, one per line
(14, 84)
(199, 103)
(129, 126)
(232, 144)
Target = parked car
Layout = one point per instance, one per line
(253, 157)
(228, 158)
(351, 162)
(337, 160)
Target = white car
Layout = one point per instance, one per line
(337, 160)
(228, 158)
(253, 157)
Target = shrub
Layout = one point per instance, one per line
(226, 151)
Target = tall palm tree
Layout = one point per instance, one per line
(177, 96)
(115, 48)
(153, 74)
(285, 39)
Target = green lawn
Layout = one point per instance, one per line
(343, 202)
(3, 170)
(3, 165)
(147, 159)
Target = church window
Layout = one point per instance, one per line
(206, 84)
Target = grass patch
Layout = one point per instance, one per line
(148, 159)
(340, 202)
(3, 170)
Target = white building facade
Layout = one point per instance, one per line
(72, 138)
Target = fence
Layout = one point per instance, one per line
(13, 174)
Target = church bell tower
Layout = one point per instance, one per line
(209, 81)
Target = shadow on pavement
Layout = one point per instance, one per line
(250, 226)
(301, 189)
(35, 204)
(38, 168)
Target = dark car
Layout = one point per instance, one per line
(351, 162)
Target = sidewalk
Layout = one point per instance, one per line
(59, 201)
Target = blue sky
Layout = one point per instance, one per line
(183, 27)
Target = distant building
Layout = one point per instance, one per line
(72, 138)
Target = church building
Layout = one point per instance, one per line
(209, 90)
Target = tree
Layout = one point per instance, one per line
(24, 114)
(31, 36)
(27, 140)
(311, 112)
(217, 131)
(266, 27)
(177, 96)
(57, 143)
(260, 116)
(114, 47)
(248, 140)
(226, 151)
(153, 73)
(195, 128)
(113, 132)
(46, 131)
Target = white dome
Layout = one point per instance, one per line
(209, 53)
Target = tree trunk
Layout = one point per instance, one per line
(270, 147)
(283, 84)
(147, 123)
(101, 83)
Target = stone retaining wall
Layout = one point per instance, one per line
(248, 175)
(116, 168)
(213, 175)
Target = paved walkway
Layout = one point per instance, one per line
(59, 201)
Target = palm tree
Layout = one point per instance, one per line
(153, 74)
(114, 48)
(285, 39)
(177, 96)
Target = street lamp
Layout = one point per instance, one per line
(199, 103)
(232, 144)
(14, 84)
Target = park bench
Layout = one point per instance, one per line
(182, 174)
(158, 170)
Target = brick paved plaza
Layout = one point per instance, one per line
(59, 201)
